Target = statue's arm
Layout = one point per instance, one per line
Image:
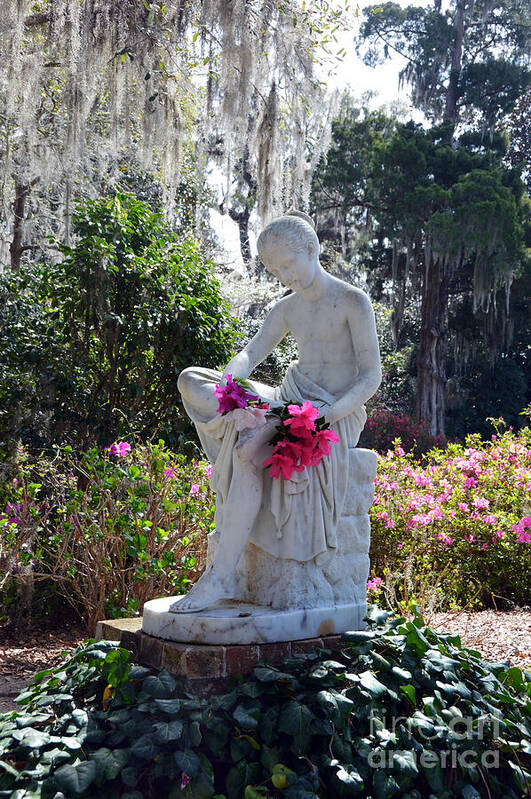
(367, 353)
(273, 330)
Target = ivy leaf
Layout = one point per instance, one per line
(145, 747)
(239, 777)
(350, 777)
(385, 785)
(54, 757)
(409, 691)
(268, 674)
(374, 686)
(169, 706)
(129, 776)
(295, 719)
(188, 762)
(9, 769)
(247, 718)
(34, 739)
(405, 761)
(76, 779)
(168, 731)
(109, 763)
(469, 792)
(160, 686)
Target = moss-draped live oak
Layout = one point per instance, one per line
(398, 711)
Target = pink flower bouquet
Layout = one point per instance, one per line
(302, 439)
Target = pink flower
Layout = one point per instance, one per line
(302, 419)
(249, 418)
(463, 506)
(421, 518)
(522, 536)
(324, 438)
(526, 521)
(13, 512)
(231, 396)
(490, 519)
(399, 451)
(470, 482)
(120, 449)
(446, 539)
(194, 488)
(285, 459)
(499, 533)
(470, 538)
(374, 583)
(481, 503)
(169, 472)
(208, 471)
(185, 779)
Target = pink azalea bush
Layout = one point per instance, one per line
(458, 524)
(105, 530)
(384, 426)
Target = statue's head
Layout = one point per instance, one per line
(289, 249)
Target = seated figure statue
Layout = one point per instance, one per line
(338, 370)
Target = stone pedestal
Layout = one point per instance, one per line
(205, 669)
(285, 599)
(244, 623)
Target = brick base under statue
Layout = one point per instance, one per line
(204, 669)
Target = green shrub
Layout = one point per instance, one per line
(399, 712)
(92, 346)
(456, 529)
(110, 531)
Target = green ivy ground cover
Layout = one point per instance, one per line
(399, 711)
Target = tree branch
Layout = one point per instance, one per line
(37, 19)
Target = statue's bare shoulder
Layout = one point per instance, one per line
(353, 302)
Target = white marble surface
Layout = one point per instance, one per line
(296, 549)
(244, 623)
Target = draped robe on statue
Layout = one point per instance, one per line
(298, 517)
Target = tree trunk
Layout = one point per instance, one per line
(242, 220)
(450, 110)
(19, 205)
(431, 355)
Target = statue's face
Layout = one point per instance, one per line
(294, 268)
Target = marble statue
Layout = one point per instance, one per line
(300, 543)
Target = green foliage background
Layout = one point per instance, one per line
(91, 346)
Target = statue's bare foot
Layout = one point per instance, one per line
(208, 590)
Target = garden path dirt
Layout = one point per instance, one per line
(498, 635)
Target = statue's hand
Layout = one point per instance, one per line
(238, 366)
(329, 416)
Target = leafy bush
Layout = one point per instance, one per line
(399, 712)
(100, 338)
(457, 529)
(31, 362)
(384, 426)
(109, 530)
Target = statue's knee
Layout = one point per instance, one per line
(186, 381)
